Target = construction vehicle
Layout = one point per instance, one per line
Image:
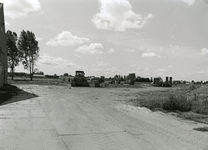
(158, 82)
(131, 77)
(79, 80)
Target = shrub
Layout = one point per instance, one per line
(203, 129)
(200, 107)
(155, 103)
(179, 102)
(152, 102)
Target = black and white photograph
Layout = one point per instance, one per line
(103, 74)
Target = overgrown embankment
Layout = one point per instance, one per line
(189, 102)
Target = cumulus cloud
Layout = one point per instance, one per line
(101, 63)
(77, 56)
(189, 2)
(133, 65)
(204, 51)
(67, 39)
(203, 71)
(56, 62)
(20, 8)
(162, 70)
(39, 38)
(93, 69)
(94, 48)
(150, 55)
(112, 69)
(111, 50)
(118, 15)
(131, 50)
(101, 58)
(143, 69)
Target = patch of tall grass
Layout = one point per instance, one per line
(175, 102)
(200, 106)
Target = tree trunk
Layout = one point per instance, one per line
(31, 73)
(12, 68)
(30, 77)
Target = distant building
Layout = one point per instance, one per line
(3, 49)
(131, 76)
(38, 75)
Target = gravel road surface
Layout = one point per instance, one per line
(61, 118)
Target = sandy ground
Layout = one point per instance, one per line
(61, 118)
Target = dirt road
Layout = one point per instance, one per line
(91, 119)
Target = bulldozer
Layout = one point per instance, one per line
(79, 80)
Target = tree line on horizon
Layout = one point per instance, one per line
(22, 49)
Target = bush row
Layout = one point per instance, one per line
(176, 103)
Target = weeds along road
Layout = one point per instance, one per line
(92, 119)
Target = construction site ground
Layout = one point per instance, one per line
(54, 117)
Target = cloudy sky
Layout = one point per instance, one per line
(107, 37)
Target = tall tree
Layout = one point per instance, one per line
(13, 54)
(29, 50)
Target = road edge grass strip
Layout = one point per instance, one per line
(193, 116)
(177, 103)
(203, 129)
(174, 103)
